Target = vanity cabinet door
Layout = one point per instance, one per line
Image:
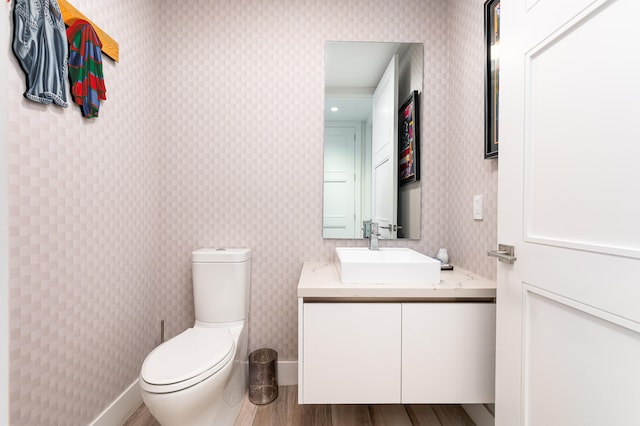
(351, 353)
(448, 352)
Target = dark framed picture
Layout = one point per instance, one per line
(492, 78)
(409, 140)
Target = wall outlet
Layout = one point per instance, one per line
(478, 207)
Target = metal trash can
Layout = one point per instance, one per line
(263, 376)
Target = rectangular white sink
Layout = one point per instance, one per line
(359, 265)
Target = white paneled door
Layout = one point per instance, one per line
(384, 186)
(568, 333)
(341, 203)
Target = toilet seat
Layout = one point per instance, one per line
(187, 359)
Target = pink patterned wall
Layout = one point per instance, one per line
(84, 207)
(469, 173)
(243, 136)
(211, 136)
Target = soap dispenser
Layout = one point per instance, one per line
(443, 256)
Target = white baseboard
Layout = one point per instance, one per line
(125, 404)
(287, 373)
(120, 409)
(479, 414)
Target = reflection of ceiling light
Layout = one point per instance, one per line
(334, 109)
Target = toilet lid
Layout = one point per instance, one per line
(190, 354)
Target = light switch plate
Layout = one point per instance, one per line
(478, 207)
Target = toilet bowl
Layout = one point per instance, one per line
(183, 381)
(199, 377)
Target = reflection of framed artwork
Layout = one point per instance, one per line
(492, 79)
(409, 141)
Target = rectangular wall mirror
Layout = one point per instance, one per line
(365, 85)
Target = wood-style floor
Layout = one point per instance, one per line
(285, 411)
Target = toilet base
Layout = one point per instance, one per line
(194, 406)
(215, 401)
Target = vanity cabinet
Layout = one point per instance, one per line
(385, 345)
(448, 352)
(352, 353)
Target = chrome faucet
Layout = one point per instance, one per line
(371, 232)
(373, 241)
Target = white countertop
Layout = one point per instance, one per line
(321, 280)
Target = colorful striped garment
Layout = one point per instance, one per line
(85, 68)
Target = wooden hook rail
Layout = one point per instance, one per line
(70, 15)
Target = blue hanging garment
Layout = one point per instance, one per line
(40, 44)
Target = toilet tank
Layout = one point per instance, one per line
(221, 280)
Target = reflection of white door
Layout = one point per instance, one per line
(384, 188)
(568, 333)
(341, 168)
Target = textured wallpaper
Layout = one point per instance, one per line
(83, 239)
(242, 137)
(468, 173)
(211, 135)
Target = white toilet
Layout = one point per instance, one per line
(199, 377)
